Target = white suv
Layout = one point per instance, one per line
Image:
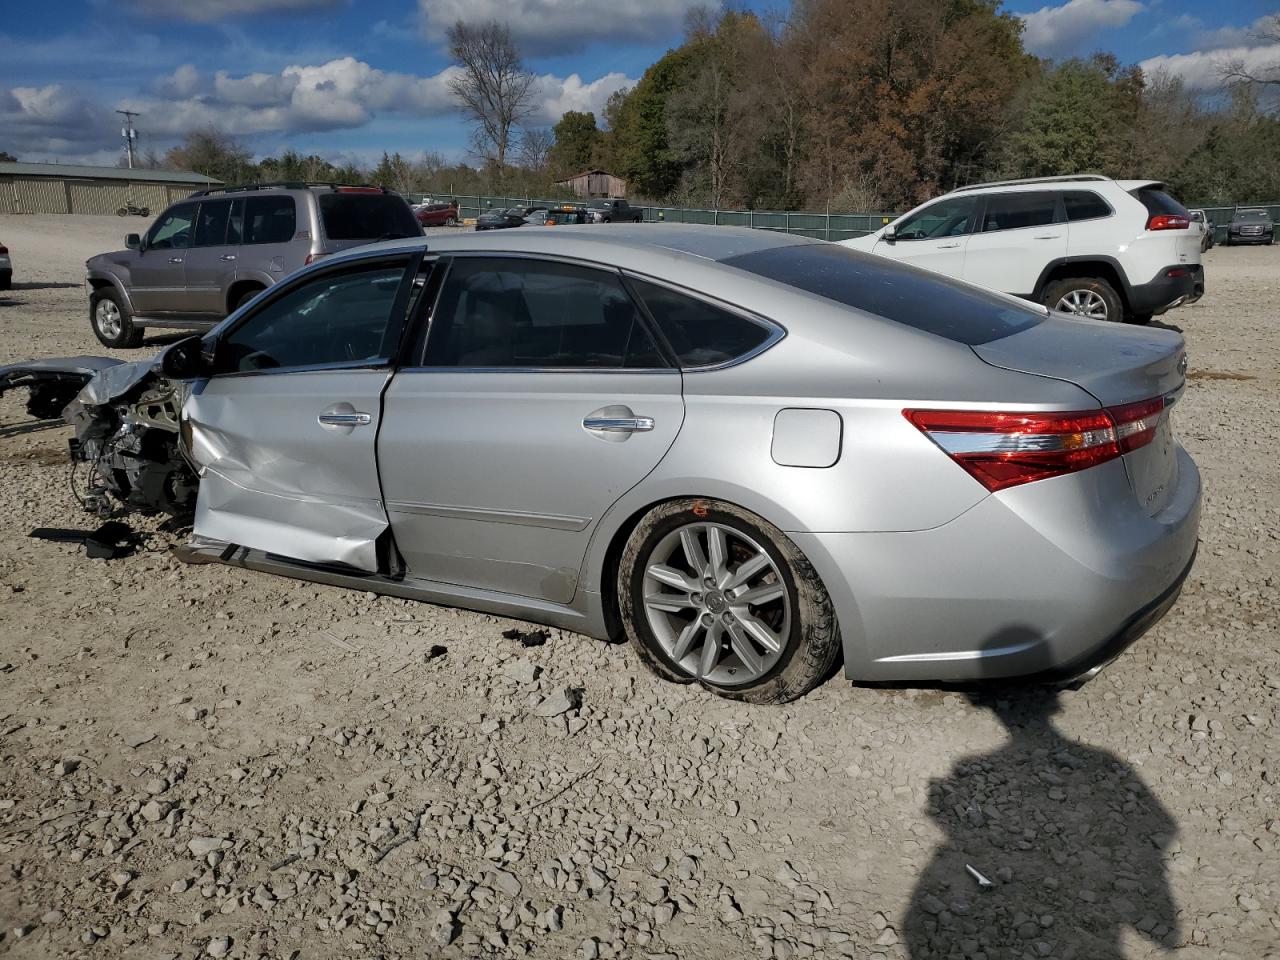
(1090, 245)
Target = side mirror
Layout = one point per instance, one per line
(188, 359)
(890, 235)
(133, 241)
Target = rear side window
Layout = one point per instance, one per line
(894, 291)
(1158, 202)
(1084, 205)
(367, 216)
(1015, 211)
(700, 334)
(269, 219)
(530, 313)
(211, 224)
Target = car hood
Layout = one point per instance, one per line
(865, 244)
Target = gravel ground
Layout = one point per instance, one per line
(200, 761)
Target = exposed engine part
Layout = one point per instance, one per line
(126, 420)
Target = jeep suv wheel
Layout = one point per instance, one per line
(1090, 297)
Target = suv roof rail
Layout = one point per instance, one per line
(286, 185)
(1075, 178)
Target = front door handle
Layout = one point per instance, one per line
(227, 256)
(947, 246)
(1047, 236)
(175, 259)
(345, 419)
(619, 424)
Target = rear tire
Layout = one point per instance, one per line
(1090, 297)
(112, 320)
(769, 650)
(123, 211)
(244, 297)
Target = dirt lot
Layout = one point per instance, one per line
(202, 761)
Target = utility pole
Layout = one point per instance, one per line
(130, 135)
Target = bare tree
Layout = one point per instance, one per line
(535, 148)
(1237, 71)
(493, 88)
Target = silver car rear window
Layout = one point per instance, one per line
(907, 295)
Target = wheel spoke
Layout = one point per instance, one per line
(761, 594)
(710, 650)
(741, 646)
(746, 570)
(693, 550)
(717, 554)
(673, 578)
(760, 633)
(669, 602)
(685, 641)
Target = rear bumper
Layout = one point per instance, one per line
(1166, 292)
(1044, 581)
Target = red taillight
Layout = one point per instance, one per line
(1168, 221)
(1000, 449)
(313, 257)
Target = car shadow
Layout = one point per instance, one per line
(29, 426)
(1160, 324)
(1052, 847)
(164, 339)
(50, 285)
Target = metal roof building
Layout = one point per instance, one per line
(72, 188)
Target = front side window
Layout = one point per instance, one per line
(269, 219)
(946, 218)
(534, 313)
(1017, 211)
(700, 334)
(211, 223)
(173, 230)
(338, 318)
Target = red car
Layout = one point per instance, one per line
(438, 214)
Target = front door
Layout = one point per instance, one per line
(157, 273)
(539, 400)
(933, 237)
(283, 433)
(1020, 233)
(211, 260)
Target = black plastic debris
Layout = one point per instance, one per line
(111, 541)
(530, 638)
(436, 652)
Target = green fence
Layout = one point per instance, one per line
(821, 226)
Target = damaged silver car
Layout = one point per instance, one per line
(749, 453)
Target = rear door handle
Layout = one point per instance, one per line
(619, 424)
(1046, 236)
(948, 246)
(345, 419)
(227, 256)
(175, 259)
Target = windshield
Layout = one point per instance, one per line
(1252, 215)
(366, 216)
(894, 291)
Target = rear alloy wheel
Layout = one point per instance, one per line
(111, 320)
(1090, 297)
(711, 593)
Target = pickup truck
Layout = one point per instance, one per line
(614, 210)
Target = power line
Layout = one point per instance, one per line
(128, 132)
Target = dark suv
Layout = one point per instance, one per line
(207, 255)
(1251, 226)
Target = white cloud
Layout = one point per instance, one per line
(208, 11)
(1057, 31)
(1202, 70)
(557, 96)
(52, 120)
(544, 27)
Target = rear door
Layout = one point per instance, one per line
(283, 434)
(1016, 237)
(539, 398)
(157, 273)
(211, 260)
(267, 251)
(934, 237)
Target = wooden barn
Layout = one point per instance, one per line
(595, 183)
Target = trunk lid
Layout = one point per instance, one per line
(1117, 365)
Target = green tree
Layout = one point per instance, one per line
(577, 143)
(215, 154)
(641, 151)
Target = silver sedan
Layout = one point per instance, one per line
(752, 454)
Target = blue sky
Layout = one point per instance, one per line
(351, 78)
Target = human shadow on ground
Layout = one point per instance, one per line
(1070, 838)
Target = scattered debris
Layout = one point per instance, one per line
(111, 541)
(436, 652)
(983, 882)
(527, 638)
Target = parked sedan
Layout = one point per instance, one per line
(505, 219)
(1251, 226)
(752, 454)
(1203, 221)
(437, 214)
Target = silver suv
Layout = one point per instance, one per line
(206, 256)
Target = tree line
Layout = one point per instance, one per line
(846, 105)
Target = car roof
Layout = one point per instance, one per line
(626, 241)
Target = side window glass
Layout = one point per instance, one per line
(1015, 211)
(946, 218)
(1084, 205)
(235, 222)
(269, 220)
(173, 230)
(700, 334)
(211, 223)
(335, 318)
(530, 313)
